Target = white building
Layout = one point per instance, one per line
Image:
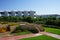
(17, 13)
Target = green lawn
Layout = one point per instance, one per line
(53, 30)
(22, 33)
(42, 37)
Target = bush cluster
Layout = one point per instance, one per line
(16, 19)
(38, 20)
(31, 28)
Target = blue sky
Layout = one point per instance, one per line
(42, 7)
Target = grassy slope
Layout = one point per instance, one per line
(43, 37)
(53, 30)
(22, 33)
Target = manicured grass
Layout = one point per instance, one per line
(53, 30)
(42, 37)
(22, 33)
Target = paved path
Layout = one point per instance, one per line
(20, 37)
(52, 35)
(30, 35)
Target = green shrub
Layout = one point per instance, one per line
(17, 29)
(40, 22)
(52, 26)
(34, 31)
(30, 28)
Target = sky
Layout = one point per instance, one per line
(42, 7)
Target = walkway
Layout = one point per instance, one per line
(52, 35)
(30, 35)
(20, 37)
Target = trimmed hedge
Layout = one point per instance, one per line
(52, 26)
